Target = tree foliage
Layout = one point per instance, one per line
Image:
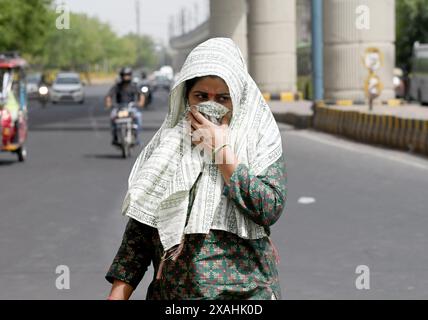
(412, 26)
(23, 25)
(29, 26)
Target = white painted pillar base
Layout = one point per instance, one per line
(344, 46)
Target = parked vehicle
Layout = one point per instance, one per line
(13, 105)
(162, 82)
(419, 76)
(67, 87)
(163, 78)
(399, 83)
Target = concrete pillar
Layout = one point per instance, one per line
(178, 58)
(272, 44)
(303, 23)
(346, 39)
(185, 43)
(228, 18)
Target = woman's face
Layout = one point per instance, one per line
(210, 89)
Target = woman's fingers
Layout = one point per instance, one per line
(196, 130)
(193, 122)
(205, 131)
(225, 120)
(199, 117)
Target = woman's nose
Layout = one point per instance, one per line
(211, 96)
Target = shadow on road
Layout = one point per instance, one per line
(71, 128)
(84, 128)
(286, 127)
(104, 156)
(7, 162)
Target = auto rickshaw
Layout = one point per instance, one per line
(13, 105)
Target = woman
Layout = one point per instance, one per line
(205, 225)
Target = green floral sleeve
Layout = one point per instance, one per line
(134, 255)
(261, 197)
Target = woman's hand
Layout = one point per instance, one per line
(204, 131)
(214, 138)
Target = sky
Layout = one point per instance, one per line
(154, 14)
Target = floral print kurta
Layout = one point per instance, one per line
(219, 265)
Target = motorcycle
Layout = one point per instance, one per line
(145, 89)
(125, 128)
(43, 95)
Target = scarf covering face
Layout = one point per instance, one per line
(165, 171)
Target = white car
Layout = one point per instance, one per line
(67, 87)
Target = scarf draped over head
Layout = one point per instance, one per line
(165, 171)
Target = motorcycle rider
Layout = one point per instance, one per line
(125, 91)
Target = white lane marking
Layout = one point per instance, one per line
(361, 149)
(306, 200)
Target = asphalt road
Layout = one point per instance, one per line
(348, 205)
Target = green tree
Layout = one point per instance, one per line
(78, 47)
(24, 25)
(90, 44)
(29, 26)
(412, 26)
(145, 50)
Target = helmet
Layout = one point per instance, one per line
(126, 71)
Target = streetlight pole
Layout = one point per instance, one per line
(137, 15)
(317, 50)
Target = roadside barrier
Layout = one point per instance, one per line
(387, 130)
(283, 96)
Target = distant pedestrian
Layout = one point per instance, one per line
(204, 225)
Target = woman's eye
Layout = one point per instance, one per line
(201, 97)
(224, 99)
